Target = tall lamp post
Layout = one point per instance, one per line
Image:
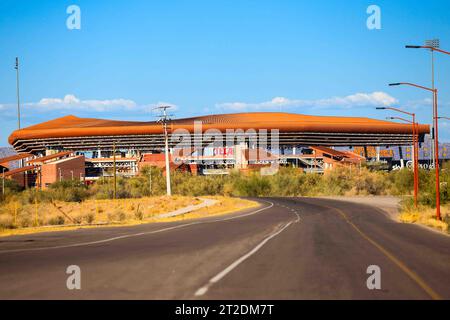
(415, 140)
(17, 91)
(22, 162)
(415, 132)
(436, 140)
(432, 45)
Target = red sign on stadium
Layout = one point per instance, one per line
(223, 151)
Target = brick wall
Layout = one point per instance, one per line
(74, 166)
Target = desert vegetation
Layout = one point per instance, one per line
(147, 189)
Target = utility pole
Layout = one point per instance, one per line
(18, 91)
(115, 171)
(164, 119)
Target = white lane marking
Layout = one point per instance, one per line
(236, 263)
(138, 234)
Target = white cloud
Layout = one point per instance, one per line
(71, 102)
(422, 104)
(373, 99)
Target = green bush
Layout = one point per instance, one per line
(68, 190)
(253, 185)
(11, 189)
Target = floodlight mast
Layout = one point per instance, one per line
(164, 119)
(22, 162)
(16, 66)
(432, 45)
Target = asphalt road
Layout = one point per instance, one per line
(289, 248)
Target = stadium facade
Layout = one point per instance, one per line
(211, 144)
(82, 134)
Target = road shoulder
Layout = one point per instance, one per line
(387, 205)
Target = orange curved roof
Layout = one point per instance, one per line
(72, 126)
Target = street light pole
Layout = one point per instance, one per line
(436, 140)
(436, 152)
(415, 140)
(433, 152)
(432, 45)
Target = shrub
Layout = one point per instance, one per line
(117, 215)
(6, 222)
(77, 220)
(138, 213)
(89, 217)
(254, 185)
(58, 220)
(11, 188)
(287, 181)
(402, 182)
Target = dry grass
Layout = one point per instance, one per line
(426, 216)
(15, 215)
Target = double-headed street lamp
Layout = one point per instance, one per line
(415, 141)
(436, 140)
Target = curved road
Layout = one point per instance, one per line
(289, 248)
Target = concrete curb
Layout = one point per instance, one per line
(181, 211)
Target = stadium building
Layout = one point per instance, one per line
(84, 148)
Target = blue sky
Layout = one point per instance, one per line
(312, 57)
